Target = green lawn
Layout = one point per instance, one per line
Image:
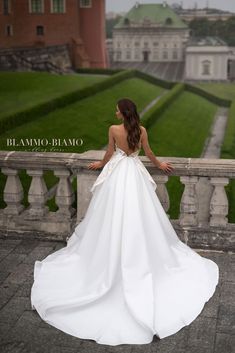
(87, 119)
(223, 90)
(21, 90)
(227, 90)
(178, 132)
(228, 151)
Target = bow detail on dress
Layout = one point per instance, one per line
(119, 155)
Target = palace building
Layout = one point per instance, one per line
(153, 38)
(78, 25)
(150, 33)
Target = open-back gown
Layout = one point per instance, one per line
(124, 274)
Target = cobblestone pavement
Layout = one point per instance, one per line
(23, 331)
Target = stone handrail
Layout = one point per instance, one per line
(37, 220)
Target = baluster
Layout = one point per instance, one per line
(37, 195)
(219, 202)
(85, 180)
(64, 193)
(13, 192)
(189, 202)
(162, 192)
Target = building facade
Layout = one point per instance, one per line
(189, 15)
(149, 33)
(48, 23)
(207, 59)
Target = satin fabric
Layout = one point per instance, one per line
(124, 274)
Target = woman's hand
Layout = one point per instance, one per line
(95, 165)
(166, 167)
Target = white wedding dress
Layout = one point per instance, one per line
(124, 274)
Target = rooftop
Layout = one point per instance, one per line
(206, 41)
(151, 14)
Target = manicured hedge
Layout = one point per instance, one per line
(209, 96)
(152, 115)
(99, 71)
(117, 76)
(154, 80)
(21, 117)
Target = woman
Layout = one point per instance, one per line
(130, 135)
(124, 275)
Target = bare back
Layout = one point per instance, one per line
(120, 137)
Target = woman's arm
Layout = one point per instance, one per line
(166, 166)
(108, 154)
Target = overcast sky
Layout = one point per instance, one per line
(125, 5)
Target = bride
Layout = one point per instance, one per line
(124, 275)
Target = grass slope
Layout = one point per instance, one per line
(178, 132)
(88, 119)
(21, 90)
(227, 90)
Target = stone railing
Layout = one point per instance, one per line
(212, 231)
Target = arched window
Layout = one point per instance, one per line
(206, 67)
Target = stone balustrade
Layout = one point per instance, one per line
(36, 220)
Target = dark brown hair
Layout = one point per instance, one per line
(131, 121)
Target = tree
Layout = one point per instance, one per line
(200, 27)
(222, 29)
(110, 23)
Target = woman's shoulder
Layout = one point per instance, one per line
(142, 127)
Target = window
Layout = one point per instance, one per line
(137, 56)
(36, 6)
(128, 55)
(206, 67)
(175, 55)
(40, 30)
(85, 3)
(165, 55)
(6, 7)
(155, 55)
(9, 30)
(137, 44)
(155, 44)
(58, 6)
(119, 56)
(145, 44)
